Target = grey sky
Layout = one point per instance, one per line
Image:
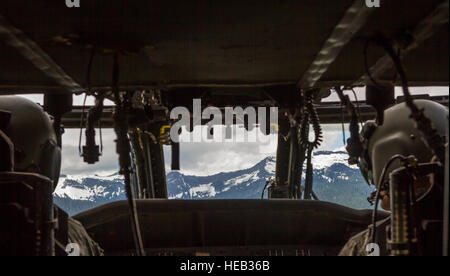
(198, 158)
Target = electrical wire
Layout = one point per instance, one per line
(354, 146)
(344, 139)
(265, 187)
(88, 84)
(80, 151)
(377, 196)
(357, 107)
(311, 117)
(123, 150)
(401, 72)
(434, 141)
(101, 137)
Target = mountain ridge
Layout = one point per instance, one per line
(334, 181)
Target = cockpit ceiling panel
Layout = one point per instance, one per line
(184, 43)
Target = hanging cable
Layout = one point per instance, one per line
(101, 137)
(309, 174)
(310, 117)
(344, 139)
(379, 188)
(433, 140)
(92, 152)
(123, 149)
(268, 182)
(80, 151)
(354, 146)
(357, 107)
(88, 85)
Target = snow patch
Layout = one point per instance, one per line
(250, 177)
(322, 160)
(203, 190)
(270, 165)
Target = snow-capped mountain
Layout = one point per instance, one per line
(76, 194)
(334, 181)
(247, 183)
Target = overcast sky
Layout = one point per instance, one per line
(199, 158)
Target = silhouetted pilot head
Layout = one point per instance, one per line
(31, 133)
(398, 135)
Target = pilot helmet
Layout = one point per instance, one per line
(32, 135)
(398, 135)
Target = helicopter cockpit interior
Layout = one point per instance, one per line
(150, 57)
